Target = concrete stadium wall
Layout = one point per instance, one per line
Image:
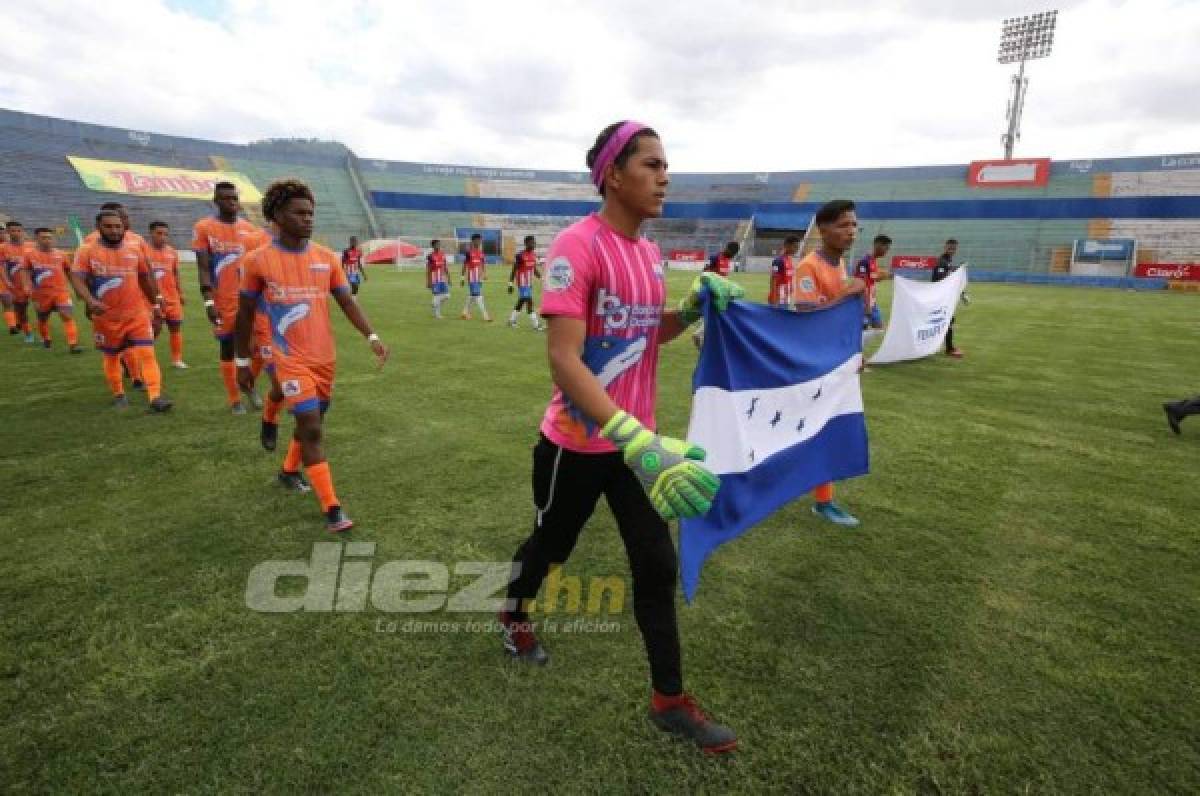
(1153, 199)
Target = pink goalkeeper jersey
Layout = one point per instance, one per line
(615, 284)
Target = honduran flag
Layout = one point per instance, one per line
(778, 408)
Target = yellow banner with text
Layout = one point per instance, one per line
(164, 182)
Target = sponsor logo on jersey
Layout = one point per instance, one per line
(560, 275)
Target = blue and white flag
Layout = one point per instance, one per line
(778, 408)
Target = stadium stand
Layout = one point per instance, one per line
(1002, 230)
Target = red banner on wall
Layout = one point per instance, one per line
(913, 261)
(686, 255)
(1025, 173)
(1185, 272)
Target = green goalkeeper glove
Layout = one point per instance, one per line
(677, 486)
(722, 290)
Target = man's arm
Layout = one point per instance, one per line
(358, 320)
(244, 325)
(25, 275)
(204, 272)
(720, 291)
(175, 273)
(564, 346)
(853, 287)
(85, 293)
(243, 328)
(66, 271)
(811, 306)
(149, 286)
(671, 326)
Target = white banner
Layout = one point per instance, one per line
(920, 317)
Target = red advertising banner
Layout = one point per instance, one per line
(1025, 173)
(1184, 272)
(687, 255)
(913, 261)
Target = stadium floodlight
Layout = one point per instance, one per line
(1023, 39)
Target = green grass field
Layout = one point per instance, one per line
(1018, 613)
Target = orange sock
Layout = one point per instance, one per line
(148, 367)
(229, 376)
(256, 366)
(44, 330)
(72, 330)
(271, 409)
(25, 327)
(112, 374)
(291, 461)
(823, 493)
(10, 319)
(322, 483)
(176, 345)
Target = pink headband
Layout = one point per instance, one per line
(612, 148)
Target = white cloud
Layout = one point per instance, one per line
(731, 85)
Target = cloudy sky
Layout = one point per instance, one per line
(732, 86)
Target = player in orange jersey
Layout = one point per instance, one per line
(821, 280)
(47, 270)
(220, 242)
(292, 280)
(128, 360)
(12, 256)
(164, 262)
(130, 235)
(115, 281)
(6, 291)
(262, 358)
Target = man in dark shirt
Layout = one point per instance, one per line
(945, 266)
(867, 269)
(1178, 410)
(722, 263)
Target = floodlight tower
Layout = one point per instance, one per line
(1023, 39)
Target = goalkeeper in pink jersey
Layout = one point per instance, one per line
(603, 297)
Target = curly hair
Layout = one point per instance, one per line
(280, 192)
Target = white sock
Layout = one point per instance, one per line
(512, 317)
(479, 301)
(533, 318)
